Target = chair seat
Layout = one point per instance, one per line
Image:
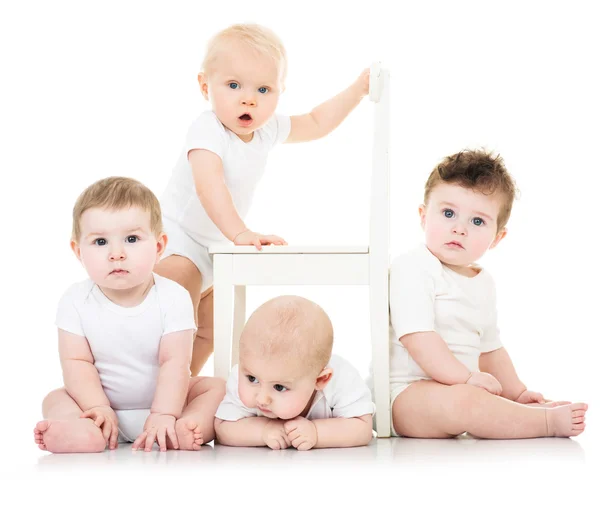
(287, 250)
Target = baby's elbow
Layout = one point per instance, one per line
(366, 433)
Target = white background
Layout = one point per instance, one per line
(90, 90)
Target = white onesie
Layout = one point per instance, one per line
(345, 396)
(125, 341)
(191, 232)
(427, 296)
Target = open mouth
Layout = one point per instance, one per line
(245, 120)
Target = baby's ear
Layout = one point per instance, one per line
(203, 84)
(161, 245)
(422, 213)
(499, 236)
(76, 249)
(323, 378)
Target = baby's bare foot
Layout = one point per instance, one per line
(566, 420)
(189, 434)
(549, 404)
(69, 436)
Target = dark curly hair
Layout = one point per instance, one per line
(477, 170)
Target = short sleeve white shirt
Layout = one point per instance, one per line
(243, 166)
(427, 296)
(345, 396)
(125, 340)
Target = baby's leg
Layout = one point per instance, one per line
(204, 342)
(197, 423)
(428, 409)
(183, 271)
(62, 430)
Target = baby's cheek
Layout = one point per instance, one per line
(245, 397)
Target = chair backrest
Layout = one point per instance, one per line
(379, 223)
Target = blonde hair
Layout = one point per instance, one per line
(256, 37)
(290, 326)
(117, 193)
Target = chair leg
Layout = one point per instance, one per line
(223, 313)
(239, 320)
(380, 354)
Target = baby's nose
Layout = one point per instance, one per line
(459, 229)
(263, 399)
(117, 255)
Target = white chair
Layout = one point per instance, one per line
(238, 266)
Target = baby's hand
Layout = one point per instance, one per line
(105, 418)
(156, 428)
(362, 83)
(301, 432)
(274, 435)
(252, 238)
(486, 381)
(529, 397)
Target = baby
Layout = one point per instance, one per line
(449, 372)
(125, 336)
(224, 156)
(288, 390)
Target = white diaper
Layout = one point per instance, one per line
(131, 423)
(180, 243)
(395, 390)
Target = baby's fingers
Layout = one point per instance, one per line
(273, 239)
(303, 446)
(90, 413)
(161, 437)
(537, 397)
(150, 439)
(140, 440)
(293, 434)
(257, 243)
(173, 437)
(107, 431)
(114, 436)
(273, 443)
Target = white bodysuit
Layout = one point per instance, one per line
(125, 341)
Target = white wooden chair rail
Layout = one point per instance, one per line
(235, 267)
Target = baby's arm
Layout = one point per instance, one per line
(174, 357)
(432, 354)
(252, 431)
(82, 383)
(330, 433)
(499, 364)
(324, 118)
(209, 180)
(80, 375)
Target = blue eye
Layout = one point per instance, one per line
(448, 213)
(132, 239)
(100, 242)
(478, 222)
(280, 388)
(251, 379)
(263, 90)
(234, 86)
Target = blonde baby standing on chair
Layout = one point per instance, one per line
(224, 156)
